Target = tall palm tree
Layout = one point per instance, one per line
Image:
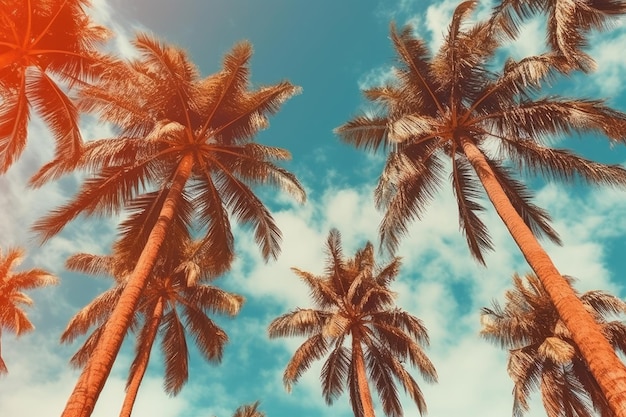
(454, 106)
(185, 143)
(173, 293)
(42, 41)
(542, 353)
(12, 296)
(356, 324)
(568, 23)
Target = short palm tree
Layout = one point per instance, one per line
(12, 296)
(249, 410)
(542, 353)
(357, 326)
(449, 111)
(42, 41)
(173, 293)
(184, 142)
(568, 23)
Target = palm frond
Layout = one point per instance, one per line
(466, 190)
(96, 313)
(208, 336)
(537, 219)
(14, 116)
(562, 164)
(403, 190)
(175, 353)
(311, 350)
(301, 322)
(335, 372)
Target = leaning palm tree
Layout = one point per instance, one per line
(173, 293)
(184, 143)
(542, 353)
(12, 296)
(452, 106)
(356, 324)
(42, 41)
(568, 23)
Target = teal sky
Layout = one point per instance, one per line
(331, 49)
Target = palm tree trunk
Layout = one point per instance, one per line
(142, 360)
(3, 367)
(91, 381)
(361, 377)
(600, 356)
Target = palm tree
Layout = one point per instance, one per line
(42, 41)
(355, 323)
(542, 353)
(568, 23)
(185, 143)
(173, 292)
(12, 296)
(249, 410)
(454, 106)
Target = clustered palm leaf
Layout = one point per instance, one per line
(569, 22)
(43, 42)
(356, 325)
(542, 353)
(12, 297)
(175, 302)
(249, 410)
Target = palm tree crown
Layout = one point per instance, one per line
(438, 103)
(249, 410)
(354, 307)
(12, 296)
(42, 41)
(542, 353)
(167, 114)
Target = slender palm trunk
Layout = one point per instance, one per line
(361, 377)
(142, 360)
(600, 356)
(3, 367)
(91, 381)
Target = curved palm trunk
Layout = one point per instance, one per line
(143, 359)
(603, 363)
(91, 381)
(361, 377)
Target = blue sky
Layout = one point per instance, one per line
(331, 49)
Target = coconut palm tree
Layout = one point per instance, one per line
(173, 293)
(355, 323)
(12, 296)
(249, 410)
(452, 106)
(186, 143)
(542, 353)
(568, 23)
(42, 41)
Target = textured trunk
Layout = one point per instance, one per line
(142, 360)
(91, 381)
(600, 356)
(3, 367)
(361, 377)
